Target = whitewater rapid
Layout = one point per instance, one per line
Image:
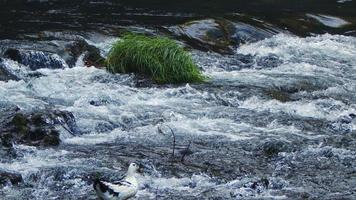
(294, 90)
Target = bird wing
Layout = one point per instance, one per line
(118, 189)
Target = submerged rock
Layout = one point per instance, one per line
(218, 34)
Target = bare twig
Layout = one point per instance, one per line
(67, 129)
(174, 142)
(174, 139)
(156, 193)
(185, 151)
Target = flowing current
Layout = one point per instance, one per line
(288, 94)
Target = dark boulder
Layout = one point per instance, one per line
(219, 35)
(245, 33)
(39, 128)
(269, 61)
(271, 148)
(72, 46)
(342, 125)
(5, 74)
(36, 59)
(7, 178)
(260, 185)
(92, 56)
(52, 50)
(31, 130)
(208, 34)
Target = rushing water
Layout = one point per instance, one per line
(296, 92)
(275, 120)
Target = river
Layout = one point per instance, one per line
(275, 120)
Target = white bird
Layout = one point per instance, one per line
(119, 190)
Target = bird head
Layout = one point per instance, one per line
(134, 168)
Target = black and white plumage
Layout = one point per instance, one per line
(119, 190)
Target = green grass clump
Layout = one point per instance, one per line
(160, 58)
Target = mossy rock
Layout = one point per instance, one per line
(20, 123)
(271, 148)
(207, 34)
(37, 128)
(219, 35)
(10, 178)
(158, 58)
(5, 73)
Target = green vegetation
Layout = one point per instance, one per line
(160, 58)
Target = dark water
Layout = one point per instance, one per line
(31, 16)
(276, 120)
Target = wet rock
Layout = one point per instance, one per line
(6, 150)
(5, 73)
(92, 56)
(37, 128)
(208, 34)
(269, 61)
(310, 24)
(52, 50)
(352, 115)
(342, 125)
(271, 148)
(330, 21)
(260, 185)
(56, 35)
(218, 35)
(33, 131)
(36, 59)
(73, 46)
(245, 33)
(9, 178)
(238, 62)
(279, 95)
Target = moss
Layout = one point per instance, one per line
(20, 123)
(159, 58)
(52, 139)
(279, 95)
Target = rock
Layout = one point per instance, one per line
(271, 148)
(9, 178)
(33, 130)
(279, 95)
(208, 34)
(244, 33)
(238, 62)
(37, 128)
(36, 59)
(342, 125)
(260, 185)
(5, 72)
(92, 56)
(53, 50)
(269, 61)
(74, 46)
(219, 35)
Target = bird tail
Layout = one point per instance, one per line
(99, 185)
(96, 183)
